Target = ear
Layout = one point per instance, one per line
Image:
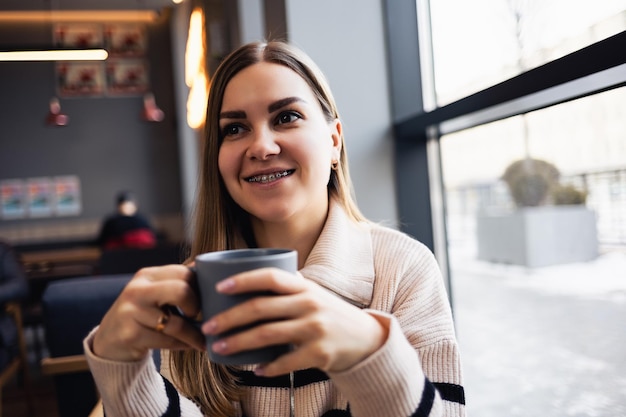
(336, 135)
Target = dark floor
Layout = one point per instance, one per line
(42, 402)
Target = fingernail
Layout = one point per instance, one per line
(219, 346)
(209, 327)
(225, 285)
(259, 371)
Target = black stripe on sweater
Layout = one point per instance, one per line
(451, 392)
(301, 379)
(173, 408)
(428, 398)
(448, 392)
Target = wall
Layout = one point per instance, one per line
(106, 144)
(350, 49)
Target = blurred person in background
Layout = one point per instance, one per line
(127, 228)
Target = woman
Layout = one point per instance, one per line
(367, 312)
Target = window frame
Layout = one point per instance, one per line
(591, 70)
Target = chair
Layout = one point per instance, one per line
(20, 361)
(130, 260)
(72, 308)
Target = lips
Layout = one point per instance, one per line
(270, 177)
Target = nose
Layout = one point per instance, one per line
(263, 145)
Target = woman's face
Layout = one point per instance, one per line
(277, 149)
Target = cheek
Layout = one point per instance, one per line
(321, 152)
(227, 165)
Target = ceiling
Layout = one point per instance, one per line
(84, 4)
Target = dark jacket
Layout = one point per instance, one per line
(119, 231)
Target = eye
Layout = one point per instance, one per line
(232, 129)
(287, 117)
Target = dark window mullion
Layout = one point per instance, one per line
(604, 55)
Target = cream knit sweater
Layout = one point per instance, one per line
(417, 372)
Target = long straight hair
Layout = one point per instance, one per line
(220, 224)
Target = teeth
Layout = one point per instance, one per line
(269, 177)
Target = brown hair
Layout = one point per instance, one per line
(221, 224)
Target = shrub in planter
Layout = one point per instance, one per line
(530, 180)
(561, 231)
(568, 195)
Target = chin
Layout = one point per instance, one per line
(272, 216)
(272, 211)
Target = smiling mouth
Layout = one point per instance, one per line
(265, 178)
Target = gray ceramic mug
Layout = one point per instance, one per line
(213, 267)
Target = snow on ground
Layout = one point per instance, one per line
(604, 277)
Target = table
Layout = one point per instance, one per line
(56, 263)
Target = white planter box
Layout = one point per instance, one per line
(538, 236)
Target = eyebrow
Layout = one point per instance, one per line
(282, 103)
(236, 114)
(239, 114)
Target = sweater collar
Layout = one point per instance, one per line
(342, 258)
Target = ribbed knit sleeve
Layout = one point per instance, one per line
(134, 389)
(389, 383)
(417, 372)
(409, 285)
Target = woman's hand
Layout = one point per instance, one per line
(131, 326)
(327, 333)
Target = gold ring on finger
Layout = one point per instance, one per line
(162, 322)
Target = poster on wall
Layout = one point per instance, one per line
(80, 78)
(125, 40)
(67, 196)
(40, 197)
(127, 77)
(12, 199)
(78, 35)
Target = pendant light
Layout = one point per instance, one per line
(55, 116)
(151, 112)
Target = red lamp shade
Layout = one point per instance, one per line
(55, 117)
(151, 112)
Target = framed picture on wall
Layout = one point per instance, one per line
(78, 35)
(127, 76)
(125, 40)
(67, 196)
(80, 78)
(40, 197)
(12, 199)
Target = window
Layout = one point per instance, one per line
(541, 334)
(545, 336)
(479, 43)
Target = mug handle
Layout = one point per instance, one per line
(175, 310)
